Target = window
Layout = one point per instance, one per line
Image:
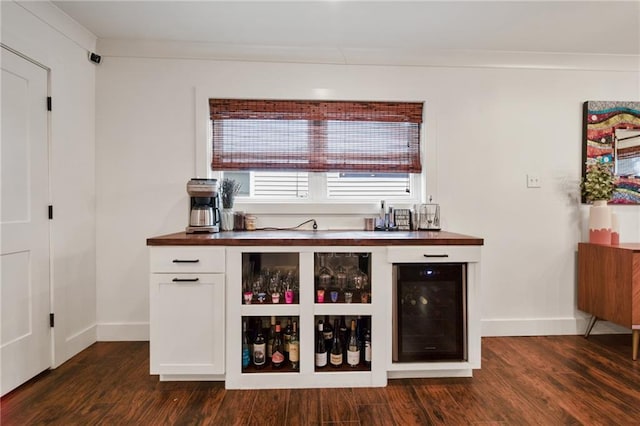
(317, 150)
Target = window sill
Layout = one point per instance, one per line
(328, 209)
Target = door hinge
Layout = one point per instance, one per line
(50, 212)
(48, 103)
(51, 320)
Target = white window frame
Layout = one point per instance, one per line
(318, 202)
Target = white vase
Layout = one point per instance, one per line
(615, 230)
(600, 223)
(227, 219)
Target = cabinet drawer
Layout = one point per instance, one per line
(187, 259)
(433, 254)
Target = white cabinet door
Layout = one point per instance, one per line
(187, 324)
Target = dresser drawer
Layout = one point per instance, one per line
(187, 259)
(433, 254)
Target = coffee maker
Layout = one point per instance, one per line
(204, 205)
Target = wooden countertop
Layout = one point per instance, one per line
(316, 238)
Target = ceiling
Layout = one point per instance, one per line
(583, 27)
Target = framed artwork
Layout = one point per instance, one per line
(612, 136)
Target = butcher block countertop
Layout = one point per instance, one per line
(316, 238)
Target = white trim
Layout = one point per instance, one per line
(75, 344)
(202, 148)
(545, 327)
(117, 332)
(429, 374)
(378, 56)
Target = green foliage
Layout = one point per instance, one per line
(599, 182)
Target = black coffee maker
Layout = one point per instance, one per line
(204, 205)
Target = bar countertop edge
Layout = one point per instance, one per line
(316, 238)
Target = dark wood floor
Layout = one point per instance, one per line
(559, 380)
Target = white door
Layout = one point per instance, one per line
(25, 339)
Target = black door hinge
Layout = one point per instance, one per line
(48, 103)
(51, 320)
(50, 212)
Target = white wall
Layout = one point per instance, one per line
(487, 127)
(40, 32)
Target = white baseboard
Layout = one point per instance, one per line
(545, 327)
(75, 344)
(121, 332)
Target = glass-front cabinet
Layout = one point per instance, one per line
(306, 317)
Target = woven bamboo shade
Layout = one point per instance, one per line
(317, 136)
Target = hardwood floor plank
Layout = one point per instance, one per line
(236, 408)
(338, 405)
(367, 396)
(404, 404)
(374, 414)
(304, 408)
(542, 380)
(270, 407)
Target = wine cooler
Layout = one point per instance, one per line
(429, 312)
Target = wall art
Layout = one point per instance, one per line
(612, 136)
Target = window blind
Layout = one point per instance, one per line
(318, 136)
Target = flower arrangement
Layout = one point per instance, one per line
(229, 190)
(599, 182)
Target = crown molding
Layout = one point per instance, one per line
(358, 56)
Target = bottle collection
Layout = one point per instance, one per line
(270, 345)
(342, 346)
(341, 277)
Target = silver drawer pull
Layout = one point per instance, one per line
(436, 255)
(186, 260)
(185, 280)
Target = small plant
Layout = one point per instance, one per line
(599, 182)
(229, 190)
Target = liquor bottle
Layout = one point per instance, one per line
(367, 346)
(328, 333)
(360, 327)
(287, 338)
(321, 349)
(353, 348)
(259, 349)
(277, 357)
(246, 357)
(343, 333)
(294, 348)
(271, 336)
(336, 357)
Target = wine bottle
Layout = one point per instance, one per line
(277, 357)
(328, 333)
(336, 357)
(294, 347)
(353, 348)
(287, 338)
(321, 349)
(259, 348)
(246, 357)
(360, 327)
(271, 336)
(343, 333)
(367, 346)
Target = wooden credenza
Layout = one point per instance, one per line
(609, 285)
